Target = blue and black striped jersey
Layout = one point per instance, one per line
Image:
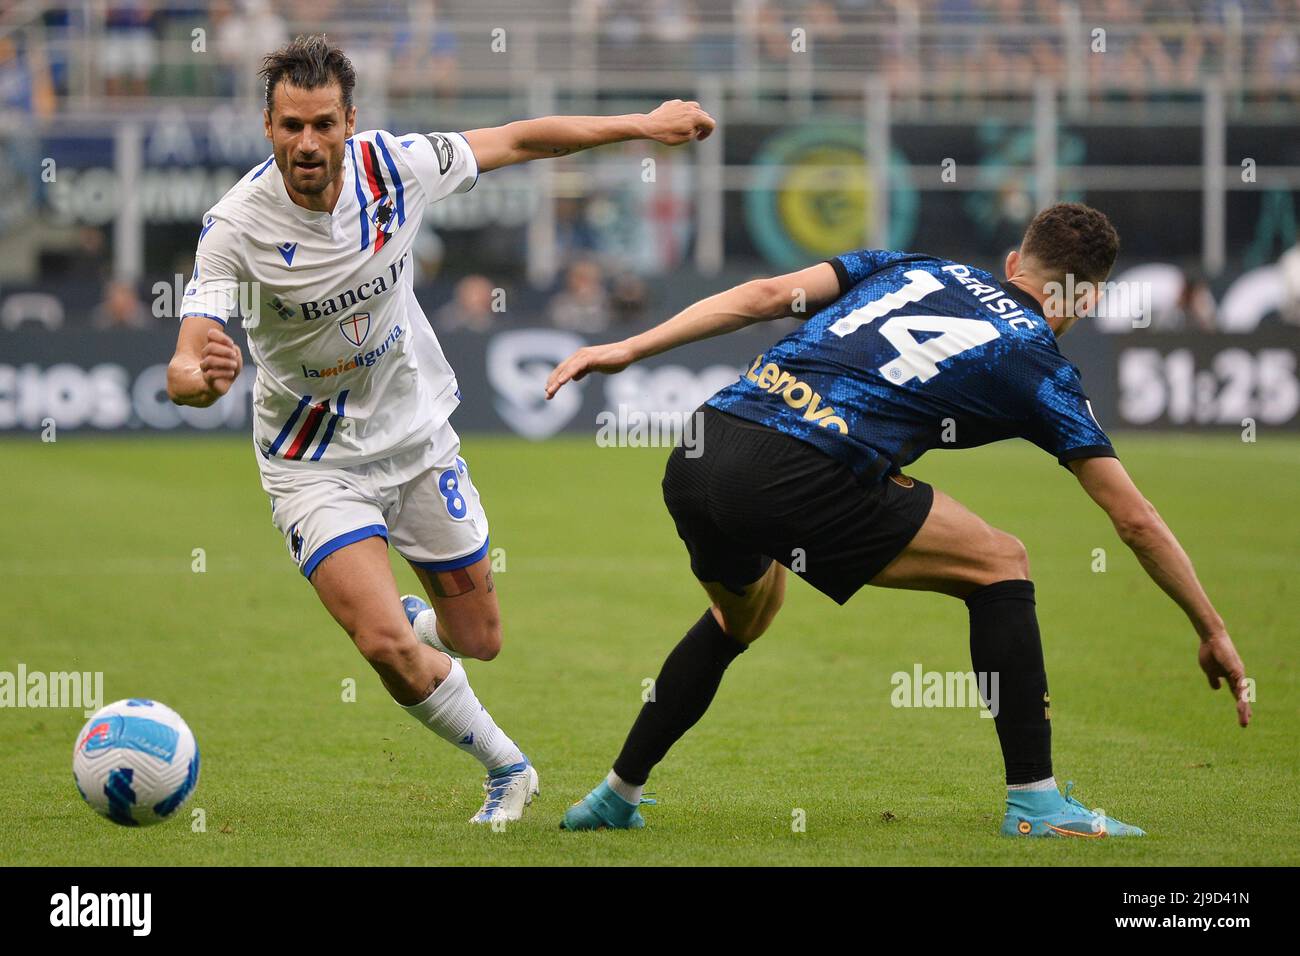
(918, 353)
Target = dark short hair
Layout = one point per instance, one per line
(309, 62)
(1070, 238)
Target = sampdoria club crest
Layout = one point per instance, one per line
(355, 327)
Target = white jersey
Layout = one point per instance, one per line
(348, 369)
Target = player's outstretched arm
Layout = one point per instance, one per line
(672, 123)
(206, 363)
(1140, 526)
(759, 300)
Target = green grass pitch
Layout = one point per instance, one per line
(96, 574)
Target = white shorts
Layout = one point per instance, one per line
(421, 501)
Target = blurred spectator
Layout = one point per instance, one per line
(26, 94)
(1117, 67)
(313, 16)
(672, 21)
(243, 30)
(714, 35)
(121, 308)
(775, 41)
(428, 251)
(129, 52)
(1160, 297)
(1195, 309)
(628, 299)
(621, 21)
(1289, 268)
(1281, 63)
(574, 234)
(582, 306)
(85, 259)
(57, 25)
(671, 33)
(966, 47)
(1008, 55)
(424, 54)
(25, 85)
(471, 309)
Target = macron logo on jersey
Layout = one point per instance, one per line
(286, 250)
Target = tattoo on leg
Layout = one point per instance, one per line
(491, 585)
(448, 584)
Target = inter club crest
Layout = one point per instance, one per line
(355, 327)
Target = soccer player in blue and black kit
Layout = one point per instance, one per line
(801, 467)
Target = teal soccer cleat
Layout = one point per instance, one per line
(1046, 813)
(603, 809)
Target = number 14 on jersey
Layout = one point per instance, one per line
(917, 358)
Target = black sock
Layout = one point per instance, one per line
(682, 693)
(1004, 640)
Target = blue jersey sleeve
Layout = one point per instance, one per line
(1062, 422)
(853, 267)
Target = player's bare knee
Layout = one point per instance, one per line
(1012, 558)
(742, 627)
(481, 642)
(387, 647)
(489, 644)
(748, 622)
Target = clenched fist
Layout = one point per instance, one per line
(676, 122)
(220, 362)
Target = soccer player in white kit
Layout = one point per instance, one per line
(352, 394)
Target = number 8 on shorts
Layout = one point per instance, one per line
(449, 487)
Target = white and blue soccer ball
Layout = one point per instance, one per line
(136, 762)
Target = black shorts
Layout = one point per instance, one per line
(755, 495)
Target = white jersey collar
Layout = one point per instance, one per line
(312, 215)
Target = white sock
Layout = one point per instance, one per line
(426, 629)
(454, 714)
(1047, 784)
(629, 792)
